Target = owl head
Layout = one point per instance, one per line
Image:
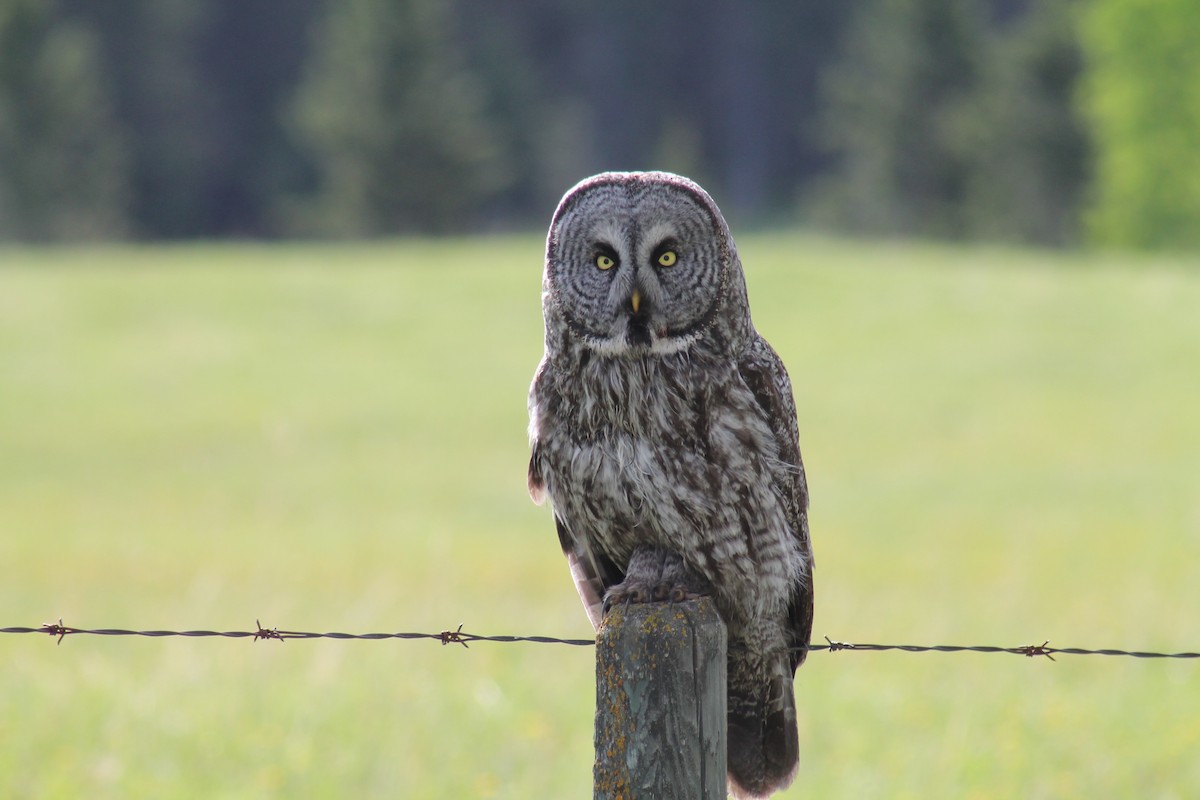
(641, 263)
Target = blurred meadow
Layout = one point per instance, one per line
(1003, 446)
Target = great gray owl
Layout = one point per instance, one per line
(663, 429)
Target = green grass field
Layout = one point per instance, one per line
(1002, 446)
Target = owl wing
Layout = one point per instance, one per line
(763, 372)
(593, 572)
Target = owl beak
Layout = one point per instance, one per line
(639, 312)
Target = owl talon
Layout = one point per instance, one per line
(656, 575)
(624, 595)
(662, 592)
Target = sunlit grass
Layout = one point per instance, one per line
(1003, 447)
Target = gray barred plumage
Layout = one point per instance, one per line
(663, 430)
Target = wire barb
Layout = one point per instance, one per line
(1032, 650)
(454, 637)
(835, 646)
(58, 630)
(263, 633)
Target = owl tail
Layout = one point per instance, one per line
(764, 753)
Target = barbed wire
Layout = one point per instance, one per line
(459, 636)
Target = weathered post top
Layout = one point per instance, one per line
(660, 703)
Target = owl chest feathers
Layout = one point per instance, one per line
(670, 451)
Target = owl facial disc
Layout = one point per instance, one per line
(638, 264)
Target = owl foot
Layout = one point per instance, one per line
(656, 575)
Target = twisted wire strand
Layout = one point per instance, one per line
(459, 636)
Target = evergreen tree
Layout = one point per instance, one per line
(62, 158)
(724, 93)
(893, 118)
(1024, 141)
(200, 93)
(1143, 99)
(509, 47)
(394, 122)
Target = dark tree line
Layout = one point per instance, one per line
(264, 118)
(956, 119)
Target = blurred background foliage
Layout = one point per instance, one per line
(1053, 122)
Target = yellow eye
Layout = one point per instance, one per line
(605, 262)
(667, 258)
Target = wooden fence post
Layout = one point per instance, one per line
(660, 703)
